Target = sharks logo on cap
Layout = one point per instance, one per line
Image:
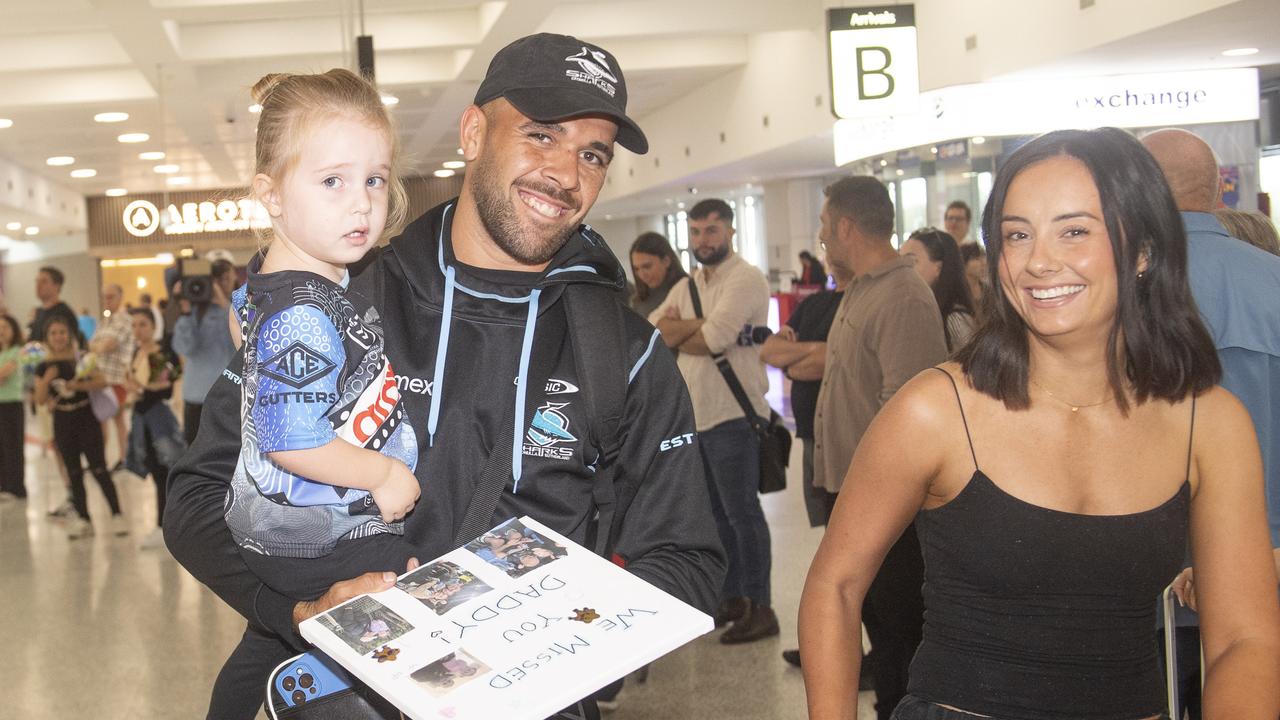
(595, 70)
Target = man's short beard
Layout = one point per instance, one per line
(499, 219)
(716, 257)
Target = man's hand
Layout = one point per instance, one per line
(341, 592)
(398, 491)
(788, 333)
(347, 589)
(184, 305)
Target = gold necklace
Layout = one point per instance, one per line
(1075, 407)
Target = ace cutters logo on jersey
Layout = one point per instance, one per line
(297, 365)
(549, 428)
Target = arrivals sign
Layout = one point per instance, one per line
(874, 66)
(1032, 107)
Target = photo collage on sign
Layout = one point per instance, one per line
(443, 676)
(442, 586)
(515, 549)
(365, 624)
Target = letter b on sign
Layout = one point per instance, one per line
(874, 68)
(874, 81)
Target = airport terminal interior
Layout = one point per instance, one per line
(127, 135)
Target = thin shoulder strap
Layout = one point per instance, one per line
(963, 419)
(1191, 435)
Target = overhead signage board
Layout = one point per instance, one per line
(875, 70)
(1038, 106)
(142, 218)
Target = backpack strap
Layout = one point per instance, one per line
(597, 337)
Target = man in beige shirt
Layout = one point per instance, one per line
(734, 295)
(887, 330)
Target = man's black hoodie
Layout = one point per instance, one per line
(466, 347)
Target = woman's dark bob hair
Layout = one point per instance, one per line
(1158, 347)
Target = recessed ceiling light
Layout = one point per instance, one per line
(1240, 52)
(134, 137)
(460, 151)
(443, 173)
(179, 180)
(255, 108)
(166, 169)
(454, 164)
(84, 173)
(151, 155)
(33, 230)
(390, 100)
(900, 173)
(116, 192)
(884, 163)
(5, 123)
(934, 149)
(13, 226)
(57, 160)
(978, 140)
(111, 117)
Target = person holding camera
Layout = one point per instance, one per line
(703, 317)
(203, 339)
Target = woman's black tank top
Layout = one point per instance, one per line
(1040, 614)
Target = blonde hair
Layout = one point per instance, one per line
(291, 104)
(1251, 227)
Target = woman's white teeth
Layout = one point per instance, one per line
(542, 208)
(1055, 292)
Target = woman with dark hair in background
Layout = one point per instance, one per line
(975, 273)
(656, 269)
(937, 260)
(1058, 469)
(812, 271)
(12, 467)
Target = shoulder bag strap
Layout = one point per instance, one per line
(726, 370)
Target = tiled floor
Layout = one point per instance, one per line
(99, 628)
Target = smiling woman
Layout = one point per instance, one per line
(1058, 471)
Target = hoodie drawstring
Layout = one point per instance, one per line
(442, 353)
(526, 349)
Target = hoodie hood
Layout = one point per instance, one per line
(425, 251)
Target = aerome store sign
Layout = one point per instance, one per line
(142, 218)
(874, 67)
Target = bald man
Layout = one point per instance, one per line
(1236, 287)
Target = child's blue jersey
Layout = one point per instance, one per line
(314, 371)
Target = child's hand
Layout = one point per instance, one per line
(397, 493)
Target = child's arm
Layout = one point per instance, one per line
(8, 369)
(392, 485)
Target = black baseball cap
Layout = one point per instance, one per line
(556, 77)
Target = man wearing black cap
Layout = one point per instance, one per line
(482, 301)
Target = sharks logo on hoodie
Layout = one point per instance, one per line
(548, 429)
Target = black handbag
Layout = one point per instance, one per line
(775, 439)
